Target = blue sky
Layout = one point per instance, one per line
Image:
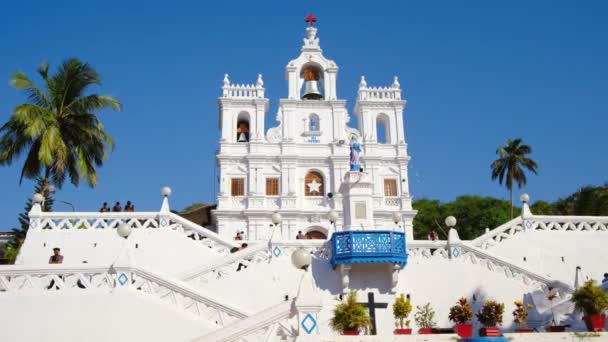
(474, 73)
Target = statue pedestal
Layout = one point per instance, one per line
(356, 190)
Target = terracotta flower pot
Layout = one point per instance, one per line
(406, 331)
(595, 322)
(425, 331)
(555, 328)
(464, 330)
(489, 332)
(524, 330)
(350, 332)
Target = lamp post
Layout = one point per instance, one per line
(123, 230)
(396, 219)
(453, 238)
(332, 216)
(301, 259)
(276, 219)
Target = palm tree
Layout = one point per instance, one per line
(512, 157)
(58, 129)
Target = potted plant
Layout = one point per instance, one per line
(520, 315)
(424, 318)
(593, 302)
(401, 310)
(490, 316)
(349, 316)
(554, 327)
(461, 314)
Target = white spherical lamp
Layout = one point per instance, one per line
(332, 216)
(450, 221)
(301, 258)
(166, 191)
(396, 217)
(525, 198)
(38, 198)
(123, 230)
(50, 189)
(276, 218)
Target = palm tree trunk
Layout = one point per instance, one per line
(511, 191)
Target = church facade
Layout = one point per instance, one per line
(297, 168)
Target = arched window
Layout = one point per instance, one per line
(313, 123)
(382, 129)
(313, 184)
(242, 127)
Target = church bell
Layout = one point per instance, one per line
(311, 90)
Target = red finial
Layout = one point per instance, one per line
(311, 19)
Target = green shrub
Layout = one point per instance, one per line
(349, 315)
(424, 316)
(401, 310)
(590, 299)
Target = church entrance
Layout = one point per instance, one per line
(315, 235)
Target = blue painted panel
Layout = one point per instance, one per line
(381, 246)
(484, 339)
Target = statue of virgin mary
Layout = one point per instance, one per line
(355, 155)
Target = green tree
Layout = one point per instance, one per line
(24, 221)
(510, 165)
(58, 130)
(588, 200)
(474, 215)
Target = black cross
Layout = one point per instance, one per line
(371, 306)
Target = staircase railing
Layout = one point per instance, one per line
(224, 266)
(136, 220)
(265, 322)
(468, 253)
(541, 222)
(59, 278)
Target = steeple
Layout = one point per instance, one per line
(311, 76)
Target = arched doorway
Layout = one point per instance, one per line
(315, 233)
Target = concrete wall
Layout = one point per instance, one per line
(557, 253)
(118, 316)
(162, 250)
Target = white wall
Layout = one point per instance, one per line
(162, 250)
(101, 316)
(544, 251)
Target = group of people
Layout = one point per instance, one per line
(129, 207)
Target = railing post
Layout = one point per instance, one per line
(164, 216)
(308, 305)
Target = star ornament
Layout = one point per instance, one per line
(314, 186)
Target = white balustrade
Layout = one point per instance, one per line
(59, 278)
(466, 253)
(273, 203)
(243, 91)
(238, 202)
(392, 201)
(543, 223)
(137, 220)
(248, 258)
(379, 94)
(314, 202)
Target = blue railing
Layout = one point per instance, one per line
(379, 246)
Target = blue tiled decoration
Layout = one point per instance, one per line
(309, 323)
(276, 251)
(122, 279)
(357, 247)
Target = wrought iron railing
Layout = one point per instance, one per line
(380, 246)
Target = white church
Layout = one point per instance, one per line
(155, 276)
(298, 167)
